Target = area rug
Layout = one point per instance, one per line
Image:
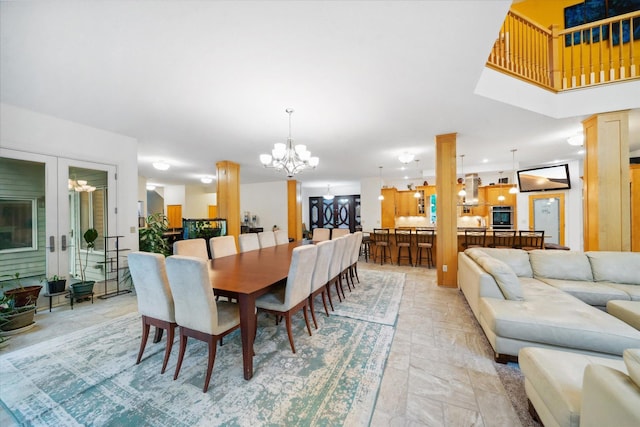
(513, 382)
(89, 377)
(375, 299)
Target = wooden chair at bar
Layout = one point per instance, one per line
(424, 241)
(474, 238)
(529, 240)
(403, 241)
(380, 240)
(503, 239)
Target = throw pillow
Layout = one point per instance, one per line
(517, 259)
(566, 265)
(616, 267)
(504, 276)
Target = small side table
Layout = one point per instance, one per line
(66, 293)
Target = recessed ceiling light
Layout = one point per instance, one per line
(485, 160)
(163, 166)
(206, 180)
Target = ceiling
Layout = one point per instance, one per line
(197, 82)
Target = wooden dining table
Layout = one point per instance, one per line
(246, 276)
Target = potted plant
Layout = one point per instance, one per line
(23, 295)
(151, 238)
(13, 318)
(56, 284)
(84, 288)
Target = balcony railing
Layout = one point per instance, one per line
(587, 55)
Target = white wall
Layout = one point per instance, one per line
(28, 131)
(370, 207)
(198, 199)
(268, 201)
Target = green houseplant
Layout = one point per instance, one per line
(56, 284)
(23, 295)
(14, 317)
(84, 288)
(151, 237)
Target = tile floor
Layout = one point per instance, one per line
(439, 373)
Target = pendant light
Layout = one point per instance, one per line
(462, 192)
(500, 196)
(328, 196)
(380, 197)
(417, 194)
(514, 188)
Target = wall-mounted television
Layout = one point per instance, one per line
(548, 178)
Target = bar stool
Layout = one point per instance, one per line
(403, 241)
(365, 247)
(474, 238)
(380, 239)
(424, 240)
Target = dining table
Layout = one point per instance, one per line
(246, 276)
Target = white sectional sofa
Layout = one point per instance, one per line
(552, 299)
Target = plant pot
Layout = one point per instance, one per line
(81, 289)
(21, 317)
(56, 286)
(27, 295)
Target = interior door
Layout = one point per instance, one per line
(40, 219)
(546, 212)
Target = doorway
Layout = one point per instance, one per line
(340, 212)
(546, 212)
(47, 204)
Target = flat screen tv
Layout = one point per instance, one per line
(548, 178)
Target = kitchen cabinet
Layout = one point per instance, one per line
(388, 208)
(407, 203)
(494, 191)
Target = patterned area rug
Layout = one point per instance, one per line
(375, 299)
(89, 377)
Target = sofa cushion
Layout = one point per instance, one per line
(593, 293)
(504, 276)
(617, 267)
(517, 259)
(632, 290)
(567, 265)
(631, 358)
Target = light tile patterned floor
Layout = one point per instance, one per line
(439, 373)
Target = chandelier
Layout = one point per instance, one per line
(287, 158)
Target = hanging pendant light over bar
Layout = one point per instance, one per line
(514, 188)
(380, 197)
(287, 158)
(462, 192)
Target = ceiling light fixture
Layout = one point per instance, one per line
(417, 194)
(500, 196)
(285, 157)
(151, 187)
(514, 187)
(380, 197)
(577, 139)
(406, 157)
(206, 180)
(80, 185)
(161, 165)
(328, 196)
(462, 192)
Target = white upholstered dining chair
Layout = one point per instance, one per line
(266, 239)
(335, 269)
(222, 246)
(191, 247)
(197, 312)
(355, 255)
(293, 296)
(339, 232)
(281, 237)
(320, 234)
(155, 302)
(321, 276)
(248, 242)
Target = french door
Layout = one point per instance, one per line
(46, 205)
(340, 212)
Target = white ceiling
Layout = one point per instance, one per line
(197, 82)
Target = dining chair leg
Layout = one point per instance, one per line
(143, 338)
(167, 351)
(338, 290)
(313, 314)
(306, 319)
(328, 286)
(341, 287)
(213, 345)
(324, 302)
(289, 332)
(183, 347)
(157, 336)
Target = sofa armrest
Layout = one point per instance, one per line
(609, 398)
(475, 283)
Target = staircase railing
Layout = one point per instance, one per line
(596, 53)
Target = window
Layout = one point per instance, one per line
(18, 225)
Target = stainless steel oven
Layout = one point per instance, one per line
(502, 217)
